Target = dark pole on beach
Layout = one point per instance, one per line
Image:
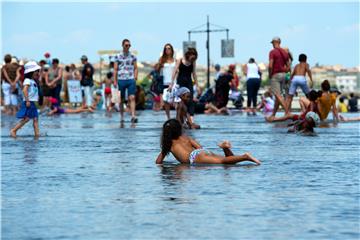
(208, 31)
(208, 52)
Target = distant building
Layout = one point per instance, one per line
(347, 83)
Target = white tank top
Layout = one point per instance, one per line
(167, 72)
(252, 71)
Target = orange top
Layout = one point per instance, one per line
(324, 104)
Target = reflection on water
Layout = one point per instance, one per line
(87, 178)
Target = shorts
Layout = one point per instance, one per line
(277, 83)
(298, 81)
(195, 153)
(27, 112)
(129, 84)
(107, 90)
(9, 97)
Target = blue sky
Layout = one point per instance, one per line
(327, 32)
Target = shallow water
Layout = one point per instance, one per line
(86, 178)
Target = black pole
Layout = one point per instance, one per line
(208, 52)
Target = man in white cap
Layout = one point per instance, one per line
(279, 65)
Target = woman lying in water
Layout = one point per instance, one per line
(187, 150)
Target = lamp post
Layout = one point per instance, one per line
(208, 31)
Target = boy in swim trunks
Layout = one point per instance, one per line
(298, 79)
(186, 150)
(108, 83)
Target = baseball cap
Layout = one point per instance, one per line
(314, 116)
(31, 66)
(182, 91)
(84, 57)
(275, 39)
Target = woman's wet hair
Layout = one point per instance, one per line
(325, 85)
(171, 130)
(313, 95)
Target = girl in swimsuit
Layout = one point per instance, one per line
(187, 150)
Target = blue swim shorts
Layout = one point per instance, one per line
(129, 84)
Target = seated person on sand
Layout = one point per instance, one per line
(310, 106)
(186, 150)
(182, 114)
(56, 108)
(306, 125)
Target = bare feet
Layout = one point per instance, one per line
(12, 133)
(224, 144)
(270, 118)
(252, 159)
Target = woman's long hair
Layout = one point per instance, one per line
(171, 130)
(164, 57)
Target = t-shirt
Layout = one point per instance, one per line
(279, 57)
(342, 107)
(87, 75)
(325, 103)
(126, 66)
(353, 106)
(33, 91)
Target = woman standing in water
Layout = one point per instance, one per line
(185, 72)
(167, 66)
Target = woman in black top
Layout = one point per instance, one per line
(185, 67)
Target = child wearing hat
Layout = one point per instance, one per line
(28, 108)
(182, 114)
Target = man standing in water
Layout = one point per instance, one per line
(278, 66)
(125, 75)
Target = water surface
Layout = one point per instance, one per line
(86, 178)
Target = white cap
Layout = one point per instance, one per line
(275, 39)
(313, 116)
(31, 66)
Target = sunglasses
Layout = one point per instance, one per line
(127, 45)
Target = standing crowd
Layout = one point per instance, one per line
(25, 87)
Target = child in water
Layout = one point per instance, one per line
(306, 125)
(182, 114)
(56, 108)
(28, 108)
(187, 150)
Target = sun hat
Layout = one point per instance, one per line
(182, 91)
(31, 66)
(275, 39)
(313, 116)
